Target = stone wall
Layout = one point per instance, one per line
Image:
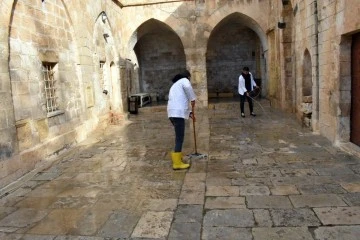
(41, 34)
(71, 39)
(337, 21)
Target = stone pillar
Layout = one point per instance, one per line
(315, 68)
(124, 85)
(196, 64)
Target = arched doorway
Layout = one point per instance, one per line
(355, 91)
(233, 44)
(160, 55)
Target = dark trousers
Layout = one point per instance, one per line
(242, 101)
(179, 126)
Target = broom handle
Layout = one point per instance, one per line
(193, 119)
(194, 134)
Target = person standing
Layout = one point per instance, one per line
(246, 85)
(181, 95)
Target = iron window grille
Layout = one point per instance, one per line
(50, 87)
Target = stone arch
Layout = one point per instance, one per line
(159, 55)
(234, 42)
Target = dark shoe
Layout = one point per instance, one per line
(243, 115)
(253, 114)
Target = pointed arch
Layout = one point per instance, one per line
(159, 54)
(236, 41)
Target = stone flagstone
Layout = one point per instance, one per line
(215, 233)
(229, 218)
(123, 187)
(320, 200)
(338, 215)
(294, 217)
(224, 202)
(338, 232)
(153, 225)
(283, 233)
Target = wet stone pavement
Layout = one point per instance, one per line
(264, 178)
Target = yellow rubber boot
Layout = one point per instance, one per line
(177, 161)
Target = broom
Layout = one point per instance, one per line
(195, 154)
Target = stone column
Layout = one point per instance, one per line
(196, 64)
(124, 85)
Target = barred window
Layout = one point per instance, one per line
(50, 87)
(101, 73)
(101, 64)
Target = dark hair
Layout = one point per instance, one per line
(245, 69)
(185, 74)
(177, 77)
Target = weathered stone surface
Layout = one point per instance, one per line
(212, 233)
(338, 215)
(191, 197)
(262, 218)
(24, 217)
(351, 187)
(284, 190)
(352, 199)
(185, 231)
(254, 190)
(195, 177)
(294, 217)
(293, 233)
(188, 214)
(161, 205)
(268, 202)
(321, 189)
(338, 232)
(153, 225)
(251, 181)
(119, 225)
(229, 218)
(333, 170)
(321, 200)
(224, 202)
(225, 191)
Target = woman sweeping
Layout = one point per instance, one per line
(180, 95)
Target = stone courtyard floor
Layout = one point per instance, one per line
(264, 178)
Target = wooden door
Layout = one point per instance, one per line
(355, 90)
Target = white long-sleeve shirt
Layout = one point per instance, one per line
(180, 95)
(242, 88)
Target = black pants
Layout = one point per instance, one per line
(242, 101)
(179, 126)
